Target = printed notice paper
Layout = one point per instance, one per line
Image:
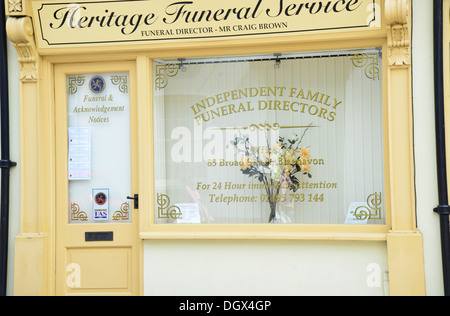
(79, 164)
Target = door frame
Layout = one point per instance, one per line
(61, 179)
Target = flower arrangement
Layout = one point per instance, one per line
(275, 166)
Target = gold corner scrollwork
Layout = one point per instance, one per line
(163, 72)
(165, 210)
(121, 82)
(372, 210)
(370, 62)
(74, 83)
(76, 214)
(123, 214)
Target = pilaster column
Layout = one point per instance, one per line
(404, 241)
(20, 32)
(29, 244)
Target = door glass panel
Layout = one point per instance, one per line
(99, 148)
(280, 138)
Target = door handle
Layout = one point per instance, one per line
(136, 200)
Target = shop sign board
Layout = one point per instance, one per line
(95, 23)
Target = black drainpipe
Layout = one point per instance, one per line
(443, 209)
(5, 162)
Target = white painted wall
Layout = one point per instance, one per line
(425, 143)
(226, 267)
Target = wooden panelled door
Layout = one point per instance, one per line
(98, 248)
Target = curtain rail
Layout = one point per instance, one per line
(273, 57)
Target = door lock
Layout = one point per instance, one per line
(136, 200)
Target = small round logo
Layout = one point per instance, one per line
(97, 84)
(100, 198)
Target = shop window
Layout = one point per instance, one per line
(282, 138)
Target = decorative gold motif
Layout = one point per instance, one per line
(265, 127)
(372, 210)
(75, 82)
(76, 214)
(15, 6)
(122, 82)
(163, 71)
(123, 214)
(164, 208)
(370, 62)
(398, 20)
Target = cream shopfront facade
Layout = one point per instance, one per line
(207, 148)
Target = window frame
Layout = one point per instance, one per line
(377, 232)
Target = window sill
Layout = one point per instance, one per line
(267, 232)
